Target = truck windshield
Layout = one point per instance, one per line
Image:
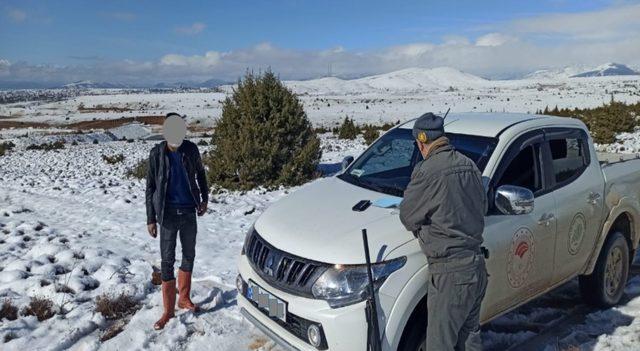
(386, 166)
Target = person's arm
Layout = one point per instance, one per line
(151, 189)
(416, 204)
(201, 178)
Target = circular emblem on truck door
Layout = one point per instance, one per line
(576, 233)
(520, 257)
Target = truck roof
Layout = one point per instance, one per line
(491, 124)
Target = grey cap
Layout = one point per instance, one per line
(432, 125)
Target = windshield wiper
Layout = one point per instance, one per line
(387, 189)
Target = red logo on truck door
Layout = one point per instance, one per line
(520, 257)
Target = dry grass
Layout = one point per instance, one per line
(9, 336)
(113, 330)
(62, 288)
(40, 307)
(8, 311)
(258, 343)
(116, 307)
(113, 159)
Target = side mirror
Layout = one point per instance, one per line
(514, 200)
(346, 162)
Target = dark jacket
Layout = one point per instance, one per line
(158, 176)
(444, 204)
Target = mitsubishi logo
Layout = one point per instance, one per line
(268, 266)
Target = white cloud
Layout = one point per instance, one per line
(493, 54)
(493, 39)
(612, 22)
(17, 15)
(211, 58)
(193, 29)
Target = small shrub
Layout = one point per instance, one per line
(8, 311)
(62, 288)
(74, 143)
(40, 307)
(6, 146)
(203, 142)
(322, 130)
(113, 159)
(56, 145)
(95, 141)
(116, 307)
(370, 134)
(348, 129)
(10, 336)
(139, 171)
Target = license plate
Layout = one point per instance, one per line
(266, 301)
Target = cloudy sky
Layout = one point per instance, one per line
(148, 41)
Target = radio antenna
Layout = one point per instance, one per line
(446, 113)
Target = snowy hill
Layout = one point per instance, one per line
(555, 74)
(403, 81)
(87, 84)
(608, 69)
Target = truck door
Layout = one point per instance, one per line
(578, 185)
(520, 247)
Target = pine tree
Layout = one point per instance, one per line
(263, 137)
(370, 134)
(348, 129)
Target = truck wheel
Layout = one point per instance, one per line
(414, 336)
(416, 339)
(605, 286)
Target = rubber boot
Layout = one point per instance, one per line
(184, 289)
(169, 303)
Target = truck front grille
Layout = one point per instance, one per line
(285, 271)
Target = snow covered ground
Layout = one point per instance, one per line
(72, 227)
(393, 96)
(68, 219)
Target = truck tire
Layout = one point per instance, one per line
(605, 286)
(414, 336)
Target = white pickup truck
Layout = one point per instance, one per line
(555, 212)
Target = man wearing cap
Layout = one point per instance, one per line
(444, 206)
(176, 191)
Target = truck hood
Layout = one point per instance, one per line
(317, 222)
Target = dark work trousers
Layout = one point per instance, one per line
(455, 291)
(184, 223)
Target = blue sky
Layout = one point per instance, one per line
(171, 40)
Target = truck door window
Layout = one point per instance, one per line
(524, 170)
(568, 158)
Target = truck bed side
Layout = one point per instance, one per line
(622, 198)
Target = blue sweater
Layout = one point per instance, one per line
(178, 189)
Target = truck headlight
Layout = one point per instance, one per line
(343, 285)
(246, 240)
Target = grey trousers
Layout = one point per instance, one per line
(454, 295)
(185, 225)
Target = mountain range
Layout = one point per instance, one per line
(410, 79)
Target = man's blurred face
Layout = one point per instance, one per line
(174, 130)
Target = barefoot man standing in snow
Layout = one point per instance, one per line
(176, 191)
(444, 206)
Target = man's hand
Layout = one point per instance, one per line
(153, 229)
(202, 209)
